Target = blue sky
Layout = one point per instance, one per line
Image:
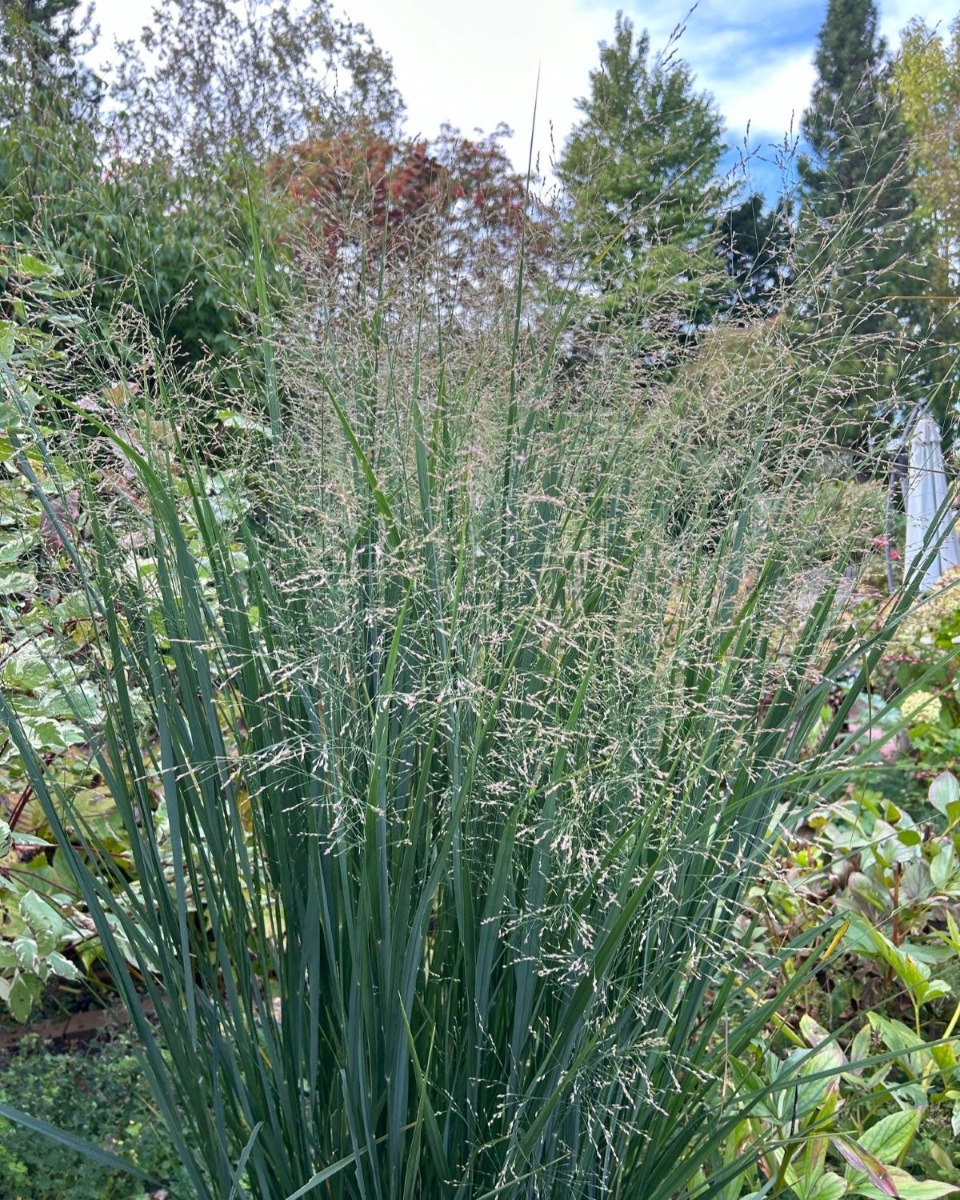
(476, 64)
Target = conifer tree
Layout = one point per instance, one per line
(640, 172)
(50, 20)
(855, 203)
(755, 247)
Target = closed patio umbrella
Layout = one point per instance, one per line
(929, 518)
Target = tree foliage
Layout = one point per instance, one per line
(47, 27)
(48, 113)
(454, 208)
(855, 205)
(146, 241)
(928, 80)
(852, 125)
(756, 248)
(211, 77)
(640, 170)
(928, 83)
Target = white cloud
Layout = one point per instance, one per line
(119, 19)
(476, 64)
(894, 15)
(767, 100)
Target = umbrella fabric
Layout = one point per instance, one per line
(929, 520)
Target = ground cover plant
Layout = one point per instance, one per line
(95, 1092)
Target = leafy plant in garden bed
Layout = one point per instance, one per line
(922, 663)
(895, 992)
(45, 640)
(51, 665)
(818, 1117)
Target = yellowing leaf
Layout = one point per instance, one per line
(891, 1135)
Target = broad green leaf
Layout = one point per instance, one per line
(29, 841)
(234, 420)
(17, 583)
(932, 955)
(98, 810)
(25, 948)
(889, 1138)
(20, 994)
(29, 264)
(862, 886)
(859, 1049)
(909, 1188)
(813, 1032)
(828, 1186)
(66, 320)
(52, 879)
(62, 966)
(748, 1081)
(944, 866)
(11, 419)
(944, 791)
(887, 846)
(49, 926)
(49, 734)
(812, 1163)
(830, 1055)
(861, 1161)
(13, 548)
(80, 702)
(28, 671)
(952, 935)
(934, 989)
(945, 1056)
(896, 1036)
(73, 607)
(912, 973)
(810, 1094)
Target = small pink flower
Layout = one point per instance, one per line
(881, 544)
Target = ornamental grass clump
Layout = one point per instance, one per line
(446, 763)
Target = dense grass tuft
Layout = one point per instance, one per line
(448, 758)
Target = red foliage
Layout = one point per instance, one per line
(358, 178)
(357, 191)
